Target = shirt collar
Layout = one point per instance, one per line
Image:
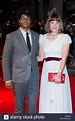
(24, 31)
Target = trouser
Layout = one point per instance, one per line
(21, 91)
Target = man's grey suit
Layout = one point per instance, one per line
(19, 65)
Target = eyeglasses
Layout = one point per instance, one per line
(25, 19)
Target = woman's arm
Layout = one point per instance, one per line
(40, 57)
(65, 51)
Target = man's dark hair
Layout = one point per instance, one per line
(24, 11)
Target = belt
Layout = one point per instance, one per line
(52, 58)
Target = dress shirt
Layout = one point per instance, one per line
(24, 35)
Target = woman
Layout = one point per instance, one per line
(55, 97)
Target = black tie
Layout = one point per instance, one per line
(28, 42)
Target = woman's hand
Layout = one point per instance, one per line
(57, 78)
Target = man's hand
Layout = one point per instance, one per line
(8, 85)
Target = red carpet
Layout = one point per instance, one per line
(72, 84)
(7, 103)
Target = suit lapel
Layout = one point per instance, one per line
(21, 39)
(33, 38)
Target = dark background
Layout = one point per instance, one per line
(8, 8)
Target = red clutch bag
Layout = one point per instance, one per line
(51, 75)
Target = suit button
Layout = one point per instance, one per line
(29, 63)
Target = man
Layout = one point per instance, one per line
(20, 66)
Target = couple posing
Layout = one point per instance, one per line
(20, 65)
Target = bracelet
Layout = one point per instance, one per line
(59, 71)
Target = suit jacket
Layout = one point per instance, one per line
(17, 63)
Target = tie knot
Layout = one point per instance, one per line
(27, 33)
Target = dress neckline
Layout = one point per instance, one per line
(53, 39)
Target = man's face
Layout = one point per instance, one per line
(25, 21)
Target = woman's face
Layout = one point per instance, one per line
(54, 26)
